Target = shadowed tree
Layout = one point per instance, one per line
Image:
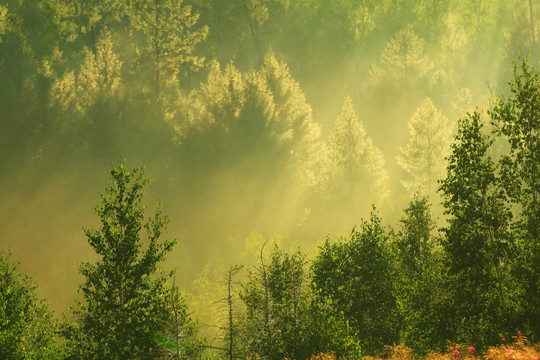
(517, 119)
(236, 133)
(88, 102)
(125, 300)
(476, 241)
(420, 287)
(356, 275)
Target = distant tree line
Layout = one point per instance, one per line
(217, 87)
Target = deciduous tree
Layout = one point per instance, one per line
(476, 238)
(27, 326)
(124, 294)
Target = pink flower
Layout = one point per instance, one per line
(455, 352)
(471, 348)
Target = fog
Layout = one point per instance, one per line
(241, 135)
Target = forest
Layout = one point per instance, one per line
(269, 179)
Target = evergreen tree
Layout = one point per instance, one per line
(27, 327)
(429, 144)
(125, 298)
(88, 103)
(293, 122)
(236, 133)
(402, 61)
(171, 35)
(354, 172)
(476, 239)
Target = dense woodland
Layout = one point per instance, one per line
(332, 177)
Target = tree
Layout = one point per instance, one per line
(180, 336)
(286, 318)
(419, 282)
(27, 327)
(272, 296)
(517, 119)
(170, 37)
(356, 275)
(476, 241)
(236, 134)
(125, 298)
(232, 331)
(87, 103)
(354, 172)
(402, 61)
(429, 144)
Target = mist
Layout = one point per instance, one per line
(282, 122)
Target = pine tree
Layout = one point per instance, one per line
(293, 122)
(354, 172)
(87, 103)
(171, 35)
(124, 294)
(245, 128)
(402, 60)
(429, 144)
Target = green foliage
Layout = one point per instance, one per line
(517, 119)
(421, 295)
(170, 37)
(477, 241)
(240, 146)
(27, 327)
(356, 275)
(179, 336)
(286, 319)
(125, 298)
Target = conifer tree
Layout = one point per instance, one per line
(429, 144)
(124, 294)
(88, 103)
(354, 173)
(171, 35)
(293, 120)
(402, 60)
